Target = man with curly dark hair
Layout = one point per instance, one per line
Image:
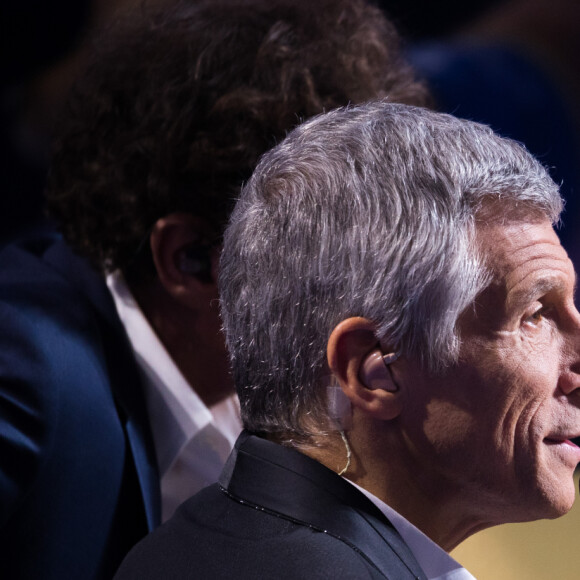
(115, 396)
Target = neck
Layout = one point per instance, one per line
(193, 339)
(438, 511)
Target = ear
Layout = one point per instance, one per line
(355, 359)
(186, 264)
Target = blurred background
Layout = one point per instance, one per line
(512, 64)
(43, 45)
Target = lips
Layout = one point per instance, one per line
(564, 448)
(563, 436)
(561, 440)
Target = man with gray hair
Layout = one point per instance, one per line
(406, 350)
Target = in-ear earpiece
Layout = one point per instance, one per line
(375, 373)
(196, 261)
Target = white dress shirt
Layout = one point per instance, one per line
(435, 562)
(191, 441)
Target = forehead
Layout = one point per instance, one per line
(525, 259)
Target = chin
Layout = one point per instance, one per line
(541, 497)
(557, 497)
(562, 507)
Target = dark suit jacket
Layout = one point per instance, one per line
(78, 479)
(275, 514)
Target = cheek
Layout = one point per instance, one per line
(447, 426)
(492, 406)
(514, 399)
(524, 379)
(514, 368)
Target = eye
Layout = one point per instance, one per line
(536, 317)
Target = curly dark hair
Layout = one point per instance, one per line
(177, 105)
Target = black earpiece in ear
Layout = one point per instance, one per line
(195, 260)
(375, 373)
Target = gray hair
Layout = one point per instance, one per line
(364, 211)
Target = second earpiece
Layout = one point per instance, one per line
(196, 261)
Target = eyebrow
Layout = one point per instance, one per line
(540, 288)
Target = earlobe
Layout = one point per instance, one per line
(184, 262)
(362, 370)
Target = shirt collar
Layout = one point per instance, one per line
(435, 562)
(176, 412)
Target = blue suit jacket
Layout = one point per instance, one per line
(276, 514)
(78, 477)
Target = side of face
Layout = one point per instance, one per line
(495, 428)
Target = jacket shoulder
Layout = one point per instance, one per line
(215, 536)
(65, 461)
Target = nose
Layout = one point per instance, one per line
(569, 381)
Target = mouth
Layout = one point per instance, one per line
(565, 447)
(560, 441)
